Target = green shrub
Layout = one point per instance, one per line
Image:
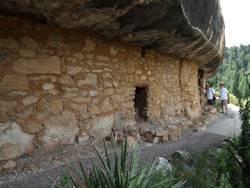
(244, 146)
(233, 99)
(217, 167)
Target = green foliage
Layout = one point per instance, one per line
(121, 170)
(244, 147)
(217, 167)
(233, 99)
(235, 71)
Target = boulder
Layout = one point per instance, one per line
(182, 155)
(174, 132)
(119, 134)
(14, 142)
(201, 128)
(163, 165)
(83, 137)
(213, 110)
(132, 141)
(101, 126)
(147, 135)
(192, 114)
(59, 129)
(8, 165)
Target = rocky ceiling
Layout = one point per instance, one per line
(185, 28)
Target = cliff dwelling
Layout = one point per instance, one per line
(85, 69)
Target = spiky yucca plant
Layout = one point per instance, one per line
(122, 171)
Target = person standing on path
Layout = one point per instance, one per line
(210, 95)
(224, 98)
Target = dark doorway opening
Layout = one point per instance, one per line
(141, 103)
(201, 85)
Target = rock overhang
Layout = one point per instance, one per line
(185, 28)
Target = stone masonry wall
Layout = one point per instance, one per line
(58, 84)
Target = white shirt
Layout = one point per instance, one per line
(223, 94)
(210, 93)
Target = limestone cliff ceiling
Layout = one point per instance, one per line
(185, 28)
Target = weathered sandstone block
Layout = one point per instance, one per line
(60, 129)
(50, 65)
(108, 92)
(48, 86)
(8, 43)
(106, 106)
(29, 100)
(114, 50)
(89, 45)
(8, 165)
(66, 80)
(90, 80)
(93, 109)
(14, 82)
(27, 53)
(13, 142)
(56, 106)
(74, 69)
(7, 106)
(30, 43)
(192, 114)
(101, 126)
(33, 125)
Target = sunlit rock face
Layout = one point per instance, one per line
(186, 28)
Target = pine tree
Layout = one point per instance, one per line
(235, 71)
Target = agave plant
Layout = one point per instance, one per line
(121, 170)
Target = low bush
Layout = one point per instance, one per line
(214, 168)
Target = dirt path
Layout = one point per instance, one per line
(219, 129)
(227, 125)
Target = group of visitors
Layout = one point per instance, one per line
(224, 97)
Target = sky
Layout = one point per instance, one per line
(237, 21)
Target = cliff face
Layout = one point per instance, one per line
(64, 83)
(185, 28)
